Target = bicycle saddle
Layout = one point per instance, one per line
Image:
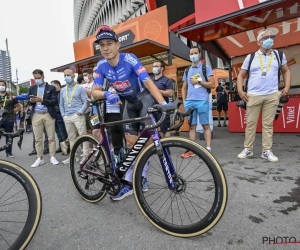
(169, 107)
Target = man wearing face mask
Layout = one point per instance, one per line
(165, 86)
(261, 93)
(43, 98)
(195, 95)
(222, 101)
(12, 106)
(72, 107)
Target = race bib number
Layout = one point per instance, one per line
(95, 120)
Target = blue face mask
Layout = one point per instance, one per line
(39, 82)
(155, 70)
(68, 79)
(267, 44)
(194, 58)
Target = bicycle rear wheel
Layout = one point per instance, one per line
(20, 206)
(87, 185)
(199, 202)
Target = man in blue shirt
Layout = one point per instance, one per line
(195, 95)
(222, 101)
(165, 86)
(130, 80)
(72, 105)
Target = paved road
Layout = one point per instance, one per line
(264, 201)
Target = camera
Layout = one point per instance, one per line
(241, 104)
(282, 101)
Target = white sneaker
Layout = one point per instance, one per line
(269, 156)
(54, 161)
(38, 163)
(245, 153)
(66, 162)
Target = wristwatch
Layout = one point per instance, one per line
(199, 82)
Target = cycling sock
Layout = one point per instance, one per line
(144, 174)
(129, 173)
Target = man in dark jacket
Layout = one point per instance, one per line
(43, 99)
(60, 128)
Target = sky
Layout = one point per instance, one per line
(40, 35)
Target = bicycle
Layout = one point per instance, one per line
(97, 174)
(20, 200)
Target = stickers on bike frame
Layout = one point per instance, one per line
(95, 120)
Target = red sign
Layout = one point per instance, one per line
(265, 14)
(213, 9)
(287, 122)
(287, 33)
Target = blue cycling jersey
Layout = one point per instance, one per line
(127, 78)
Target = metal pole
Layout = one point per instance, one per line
(17, 81)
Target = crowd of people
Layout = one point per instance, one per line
(121, 79)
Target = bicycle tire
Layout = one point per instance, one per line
(90, 139)
(34, 200)
(220, 198)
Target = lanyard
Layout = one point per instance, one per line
(37, 92)
(261, 63)
(4, 104)
(72, 94)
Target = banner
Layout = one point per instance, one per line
(287, 122)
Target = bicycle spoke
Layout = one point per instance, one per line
(192, 172)
(153, 193)
(13, 196)
(199, 197)
(12, 203)
(161, 176)
(179, 211)
(7, 191)
(158, 197)
(163, 204)
(199, 176)
(192, 203)
(185, 209)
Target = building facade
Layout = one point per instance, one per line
(5, 66)
(90, 14)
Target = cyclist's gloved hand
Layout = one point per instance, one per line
(111, 97)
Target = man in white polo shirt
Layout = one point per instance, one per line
(262, 93)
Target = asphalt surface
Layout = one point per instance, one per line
(263, 204)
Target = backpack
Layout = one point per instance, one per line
(186, 71)
(279, 60)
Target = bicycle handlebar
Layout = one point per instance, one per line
(11, 136)
(164, 109)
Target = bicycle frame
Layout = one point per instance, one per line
(134, 152)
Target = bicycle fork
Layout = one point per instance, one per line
(165, 161)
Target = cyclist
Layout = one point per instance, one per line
(130, 79)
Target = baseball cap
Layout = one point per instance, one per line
(105, 32)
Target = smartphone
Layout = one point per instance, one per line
(32, 96)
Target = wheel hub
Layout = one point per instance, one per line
(179, 183)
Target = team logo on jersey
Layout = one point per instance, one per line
(121, 86)
(98, 75)
(141, 70)
(130, 59)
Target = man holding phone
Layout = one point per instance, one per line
(43, 99)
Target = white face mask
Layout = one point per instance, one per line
(2, 88)
(222, 83)
(86, 79)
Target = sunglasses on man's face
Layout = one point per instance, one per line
(267, 37)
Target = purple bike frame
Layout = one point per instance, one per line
(149, 131)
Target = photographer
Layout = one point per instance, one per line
(261, 92)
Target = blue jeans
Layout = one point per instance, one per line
(8, 127)
(60, 130)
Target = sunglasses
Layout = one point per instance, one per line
(104, 28)
(267, 37)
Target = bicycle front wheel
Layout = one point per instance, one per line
(87, 185)
(20, 206)
(199, 200)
